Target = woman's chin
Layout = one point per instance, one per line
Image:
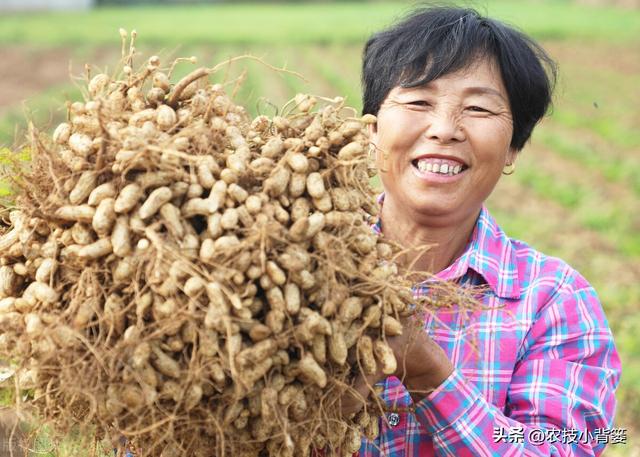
(430, 206)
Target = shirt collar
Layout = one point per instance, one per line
(489, 252)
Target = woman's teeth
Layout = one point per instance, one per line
(441, 168)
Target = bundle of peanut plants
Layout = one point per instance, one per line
(197, 281)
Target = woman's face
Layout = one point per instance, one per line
(441, 147)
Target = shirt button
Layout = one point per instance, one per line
(394, 419)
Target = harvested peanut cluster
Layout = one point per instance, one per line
(196, 280)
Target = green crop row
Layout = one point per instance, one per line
(273, 23)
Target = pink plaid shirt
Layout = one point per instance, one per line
(535, 373)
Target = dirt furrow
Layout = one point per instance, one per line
(548, 226)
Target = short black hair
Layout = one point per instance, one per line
(434, 41)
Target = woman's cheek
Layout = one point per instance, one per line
(404, 131)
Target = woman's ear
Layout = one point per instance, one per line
(376, 156)
(512, 155)
(373, 130)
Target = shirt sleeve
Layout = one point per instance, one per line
(565, 380)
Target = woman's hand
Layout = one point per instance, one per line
(422, 363)
(422, 367)
(354, 399)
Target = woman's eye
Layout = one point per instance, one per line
(419, 103)
(478, 109)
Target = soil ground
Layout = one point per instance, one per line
(27, 72)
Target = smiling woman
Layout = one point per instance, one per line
(444, 145)
(457, 96)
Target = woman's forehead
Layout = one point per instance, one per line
(482, 72)
(479, 79)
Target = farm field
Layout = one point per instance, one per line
(575, 193)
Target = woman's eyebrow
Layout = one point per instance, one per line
(472, 90)
(483, 90)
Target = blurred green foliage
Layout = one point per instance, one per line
(297, 23)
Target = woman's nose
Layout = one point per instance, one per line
(444, 127)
